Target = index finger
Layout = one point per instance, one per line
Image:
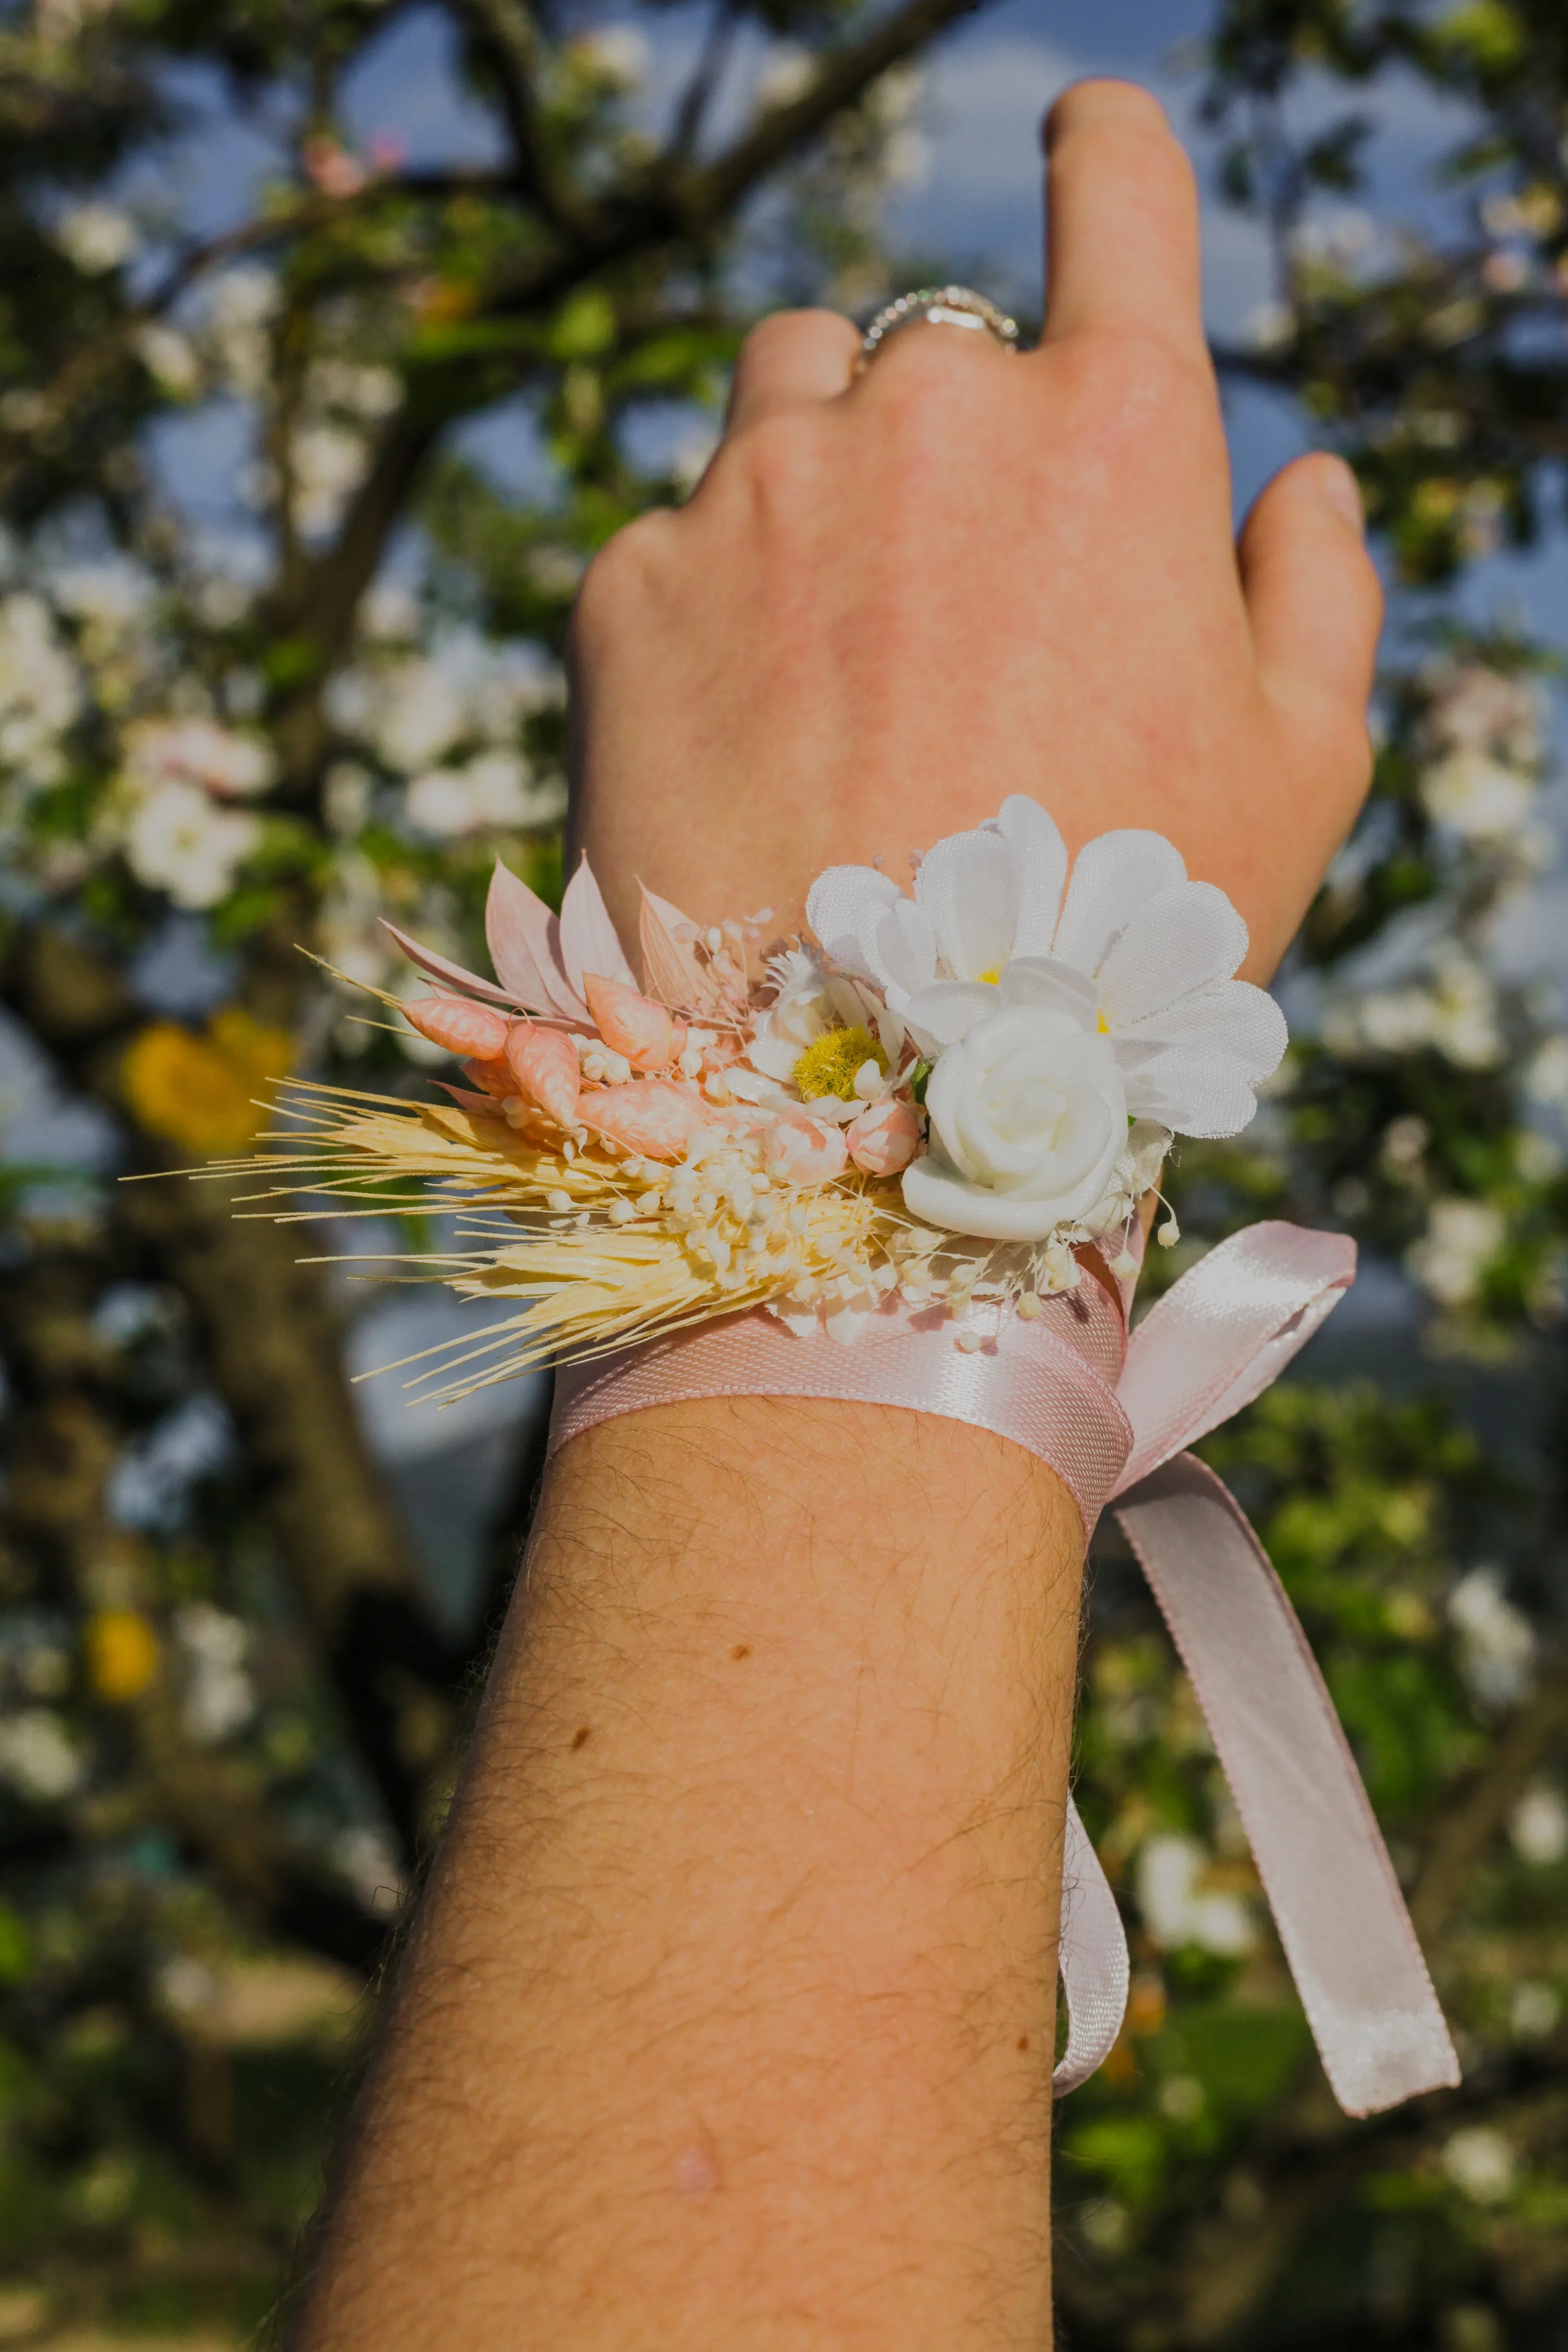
(1121, 217)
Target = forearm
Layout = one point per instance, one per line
(730, 2020)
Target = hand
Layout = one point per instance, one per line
(895, 598)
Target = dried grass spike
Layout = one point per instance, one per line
(631, 1023)
(543, 1063)
(458, 1024)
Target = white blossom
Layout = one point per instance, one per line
(389, 612)
(363, 390)
(222, 761)
(1461, 1240)
(169, 359)
(96, 238)
(108, 597)
(218, 1699)
(347, 793)
(1174, 1907)
(409, 713)
(1546, 1079)
(37, 1756)
(1478, 708)
(240, 310)
(1480, 2163)
(177, 840)
(618, 55)
(1477, 797)
(1454, 1010)
(1496, 1640)
(785, 76)
(491, 791)
(1534, 2009)
(328, 463)
(1538, 1825)
(40, 690)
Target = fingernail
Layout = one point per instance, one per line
(1338, 485)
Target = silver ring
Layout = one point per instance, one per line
(937, 306)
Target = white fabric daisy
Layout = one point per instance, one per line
(1128, 947)
(813, 1008)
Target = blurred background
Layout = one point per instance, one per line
(334, 336)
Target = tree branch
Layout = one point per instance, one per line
(699, 93)
(98, 358)
(504, 37)
(843, 77)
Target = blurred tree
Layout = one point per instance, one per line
(279, 650)
(1210, 2193)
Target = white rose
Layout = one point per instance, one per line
(1029, 1116)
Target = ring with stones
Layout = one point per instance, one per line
(937, 306)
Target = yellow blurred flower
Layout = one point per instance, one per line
(121, 1653)
(199, 1091)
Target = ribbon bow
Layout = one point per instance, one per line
(1216, 1340)
(1112, 1416)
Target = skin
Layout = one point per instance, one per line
(728, 2023)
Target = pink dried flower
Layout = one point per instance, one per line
(543, 1064)
(630, 1023)
(459, 1026)
(804, 1150)
(491, 1077)
(653, 1117)
(885, 1139)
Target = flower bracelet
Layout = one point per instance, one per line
(901, 1160)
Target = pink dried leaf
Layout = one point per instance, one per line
(525, 946)
(477, 1106)
(440, 967)
(589, 940)
(670, 968)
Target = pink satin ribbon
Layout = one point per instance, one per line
(1112, 1416)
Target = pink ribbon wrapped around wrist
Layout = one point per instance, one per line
(1112, 1415)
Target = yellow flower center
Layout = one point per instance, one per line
(1104, 1026)
(829, 1062)
(991, 977)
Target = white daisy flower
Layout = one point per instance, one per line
(825, 1039)
(1128, 949)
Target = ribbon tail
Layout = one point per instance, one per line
(1336, 1902)
(1092, 1958)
